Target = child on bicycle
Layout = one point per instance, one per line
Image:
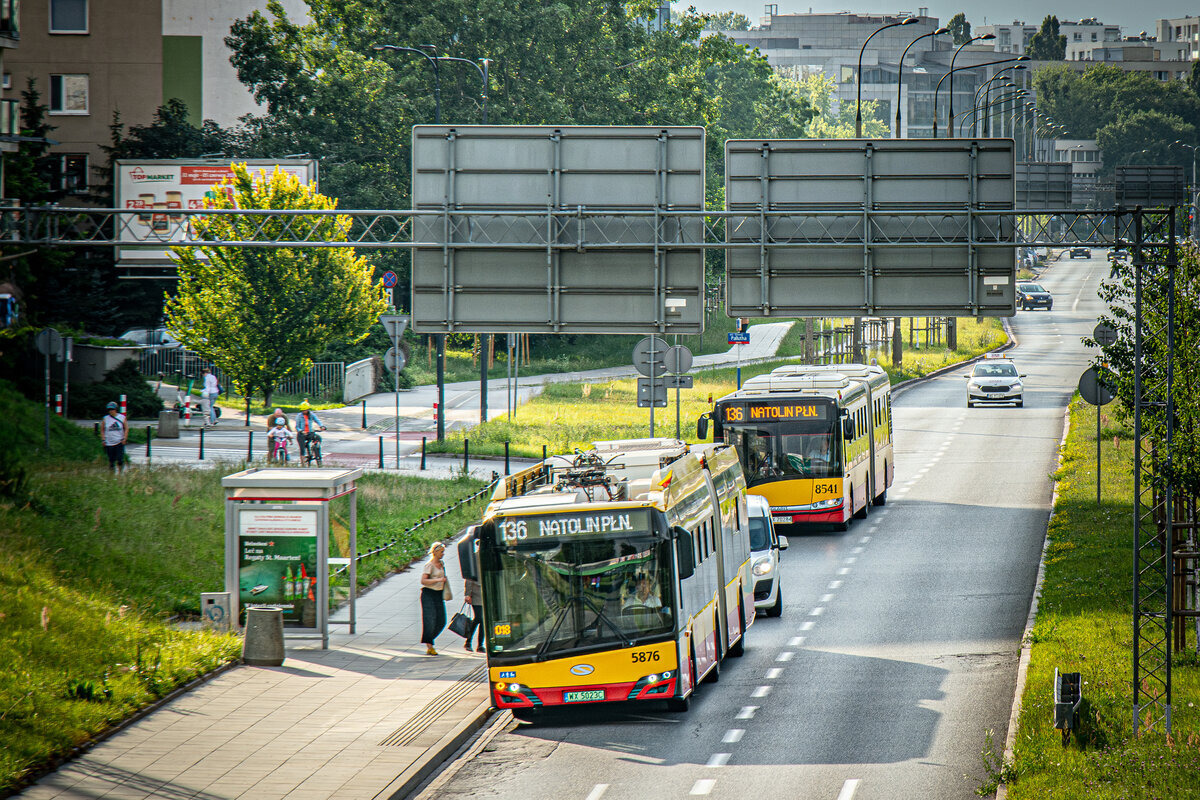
(278, 437)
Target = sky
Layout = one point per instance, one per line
(1132, 17)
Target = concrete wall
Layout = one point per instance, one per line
(91, 362)
(361, 379)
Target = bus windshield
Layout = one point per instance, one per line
(548, 597)
(792, 449)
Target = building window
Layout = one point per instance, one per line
(68, 94)
(7, 80)
(69, 172)
(68, 16)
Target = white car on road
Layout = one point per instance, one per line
(765, 545)
(995, 380)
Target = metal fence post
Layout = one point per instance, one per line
(381, 453)
(149, 436)
(466, 454)
(202, 444)
(507, 471)
(422, 452)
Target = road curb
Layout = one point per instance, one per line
(1026, 644)
(411, 779)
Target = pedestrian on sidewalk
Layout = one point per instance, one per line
(473, 594)
(116, 433)
(211, 389)
(435, 591)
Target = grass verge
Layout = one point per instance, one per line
(1084, 624)
(570, 415)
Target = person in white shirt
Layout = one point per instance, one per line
(209, 393)
(115, 433)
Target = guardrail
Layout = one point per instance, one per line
(325, 379)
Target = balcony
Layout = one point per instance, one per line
(10, 19)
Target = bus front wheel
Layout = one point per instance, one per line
(679, 704)
(524, 714)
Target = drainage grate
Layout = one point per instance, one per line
(431, 713)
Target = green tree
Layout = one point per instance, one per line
(263, 314)
(1123, 141)
(1194, 78)
(1047, 44)
(726, 21)
(838, 123)
(960, 28)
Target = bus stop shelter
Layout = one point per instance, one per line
(279, 548)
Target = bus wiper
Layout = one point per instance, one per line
(601, 616)
(562, 616)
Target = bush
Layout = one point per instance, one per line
(89, 400)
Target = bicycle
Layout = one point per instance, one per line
(310, 449)
(279, 450)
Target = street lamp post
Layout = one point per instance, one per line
(482, 68)
(1195, 191)
(999, 99)
(981, 38)
(858, 74)
(986, 88)
(938, 89)
(900, 71)
(439, 338)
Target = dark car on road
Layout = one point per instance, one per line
(1033, 295)
(1080, 252)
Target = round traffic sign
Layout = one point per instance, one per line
(1104, 335)
(649, 355)
(49, 342)
(395, 359)
(1093, 387)
(678, 360)
(389, 279)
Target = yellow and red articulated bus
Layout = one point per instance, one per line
(621, 574)
(814, 441)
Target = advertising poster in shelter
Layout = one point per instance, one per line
(277, 562)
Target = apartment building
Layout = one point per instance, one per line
(1184, 30)
(10, 37)
(1081, 34)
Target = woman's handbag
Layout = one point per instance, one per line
(446, 593)
(462, 622)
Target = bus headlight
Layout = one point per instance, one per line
(832, 502)
(763, 565)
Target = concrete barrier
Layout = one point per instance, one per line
(263, 645)
(361, 379)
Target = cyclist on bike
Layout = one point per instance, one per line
(279, 436)
(307, 425)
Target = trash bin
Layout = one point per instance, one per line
(168, 425)
(263, 645)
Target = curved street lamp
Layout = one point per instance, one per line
(981, 38)
(900, 71)
(858, 74)
(986, 88)
(483, 75)
(433, 62)
(937, 90)
(1003, 98)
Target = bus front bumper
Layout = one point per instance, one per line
(656, 686)
(803, 515)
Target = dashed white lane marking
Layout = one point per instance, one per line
(857, 550)
(795, 641)
(747, 712)
(864, 540)
(816, 612)
(718, 760)
(733, 735)
(598, 791)
(844, 571)
(786, 655)
(761, 691)
(807, 625)
(825, 598)
(703, 786)
(774, 672)
(835, 584)
(850, 560)
(848, 789)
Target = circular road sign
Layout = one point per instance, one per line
(1093, 388)
(649, 356)
(389, 279)
(49, 342)
(394, 359)
(678, 360)
(1104, 335)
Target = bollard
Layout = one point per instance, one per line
(263, 646)
(149, 436)
(422, 452)
(202, 444)
(466, 455)
(124, 412)
(506, 467)
(543, 452)
(381, 453)
(96, 428)
(58, 404)
(187, 412)
(364, 407)
(250, 446)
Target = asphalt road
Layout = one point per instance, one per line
(897, 650)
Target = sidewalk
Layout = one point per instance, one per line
(371, 717)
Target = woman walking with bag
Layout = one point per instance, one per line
(435, 591)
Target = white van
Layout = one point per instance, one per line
(765, 546)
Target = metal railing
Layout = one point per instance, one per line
(324, 380)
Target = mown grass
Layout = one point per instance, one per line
(566, 416)
(1084, 624)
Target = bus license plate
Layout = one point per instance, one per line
(583, 697)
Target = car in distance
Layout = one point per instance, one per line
(995, 381)
(765, 545)
(1080, 252)
(1033, 295)
(150, 337)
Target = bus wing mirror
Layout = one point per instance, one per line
(466, 554)
(683, 549)
(702, 427)
(847, 428)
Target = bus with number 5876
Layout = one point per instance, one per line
(619, 574)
